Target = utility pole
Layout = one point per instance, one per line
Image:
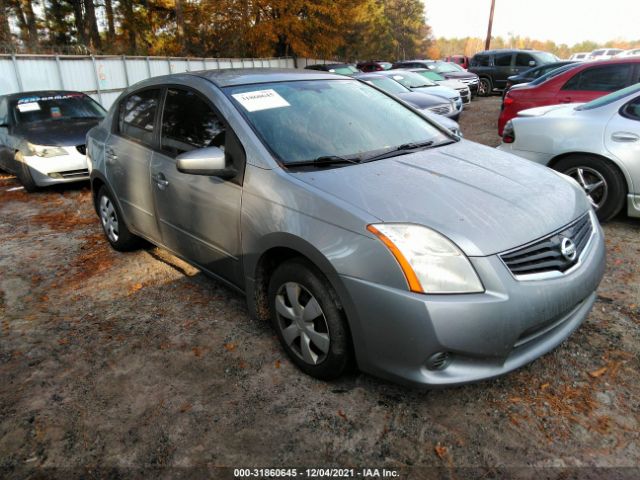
(487, 43)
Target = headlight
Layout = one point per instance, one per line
(44, 151)
(431, 262)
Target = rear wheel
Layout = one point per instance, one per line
(309, 323)
(484, 87)
(115, 229)
(23, 174)
(601, 180)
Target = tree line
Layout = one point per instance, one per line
(346, 29)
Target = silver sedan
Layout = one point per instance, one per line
(596, 143)
(365, 232)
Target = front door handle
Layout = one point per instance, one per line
(160, 180)
(110, 156)
(566, 100)
(625, 137)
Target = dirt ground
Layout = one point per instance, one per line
(120, 365)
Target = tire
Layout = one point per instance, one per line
(113, 224)
(293, 287)
(23, 174)
(484, 87)
(603, 183)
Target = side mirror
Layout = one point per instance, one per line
(209, 161)
(532, 63)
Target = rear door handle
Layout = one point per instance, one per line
(160, 180)
(625, 137)
(566, 100)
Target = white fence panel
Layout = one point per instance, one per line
(159, 66)
(104, 77)
(137, 69)
(38, 74)
(111, 73)
(8, 79)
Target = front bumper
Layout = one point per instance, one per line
(71, 167)
(486, 335)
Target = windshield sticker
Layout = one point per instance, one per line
(55, 112)
(28, 107)
(52, 97)
(261, 100)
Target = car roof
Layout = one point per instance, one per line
(247, 76)
(40, 93)
(505, 50)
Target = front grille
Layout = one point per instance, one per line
(75, 173)
(546, 255)
(82, 149)
(443, 109)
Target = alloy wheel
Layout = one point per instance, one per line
(483, 87)
(593, 183)
(302, 323)
(109, 218)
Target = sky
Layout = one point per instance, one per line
(563, 21)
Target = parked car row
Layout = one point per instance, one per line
(605, 54)
(367, 233)
(573, 83)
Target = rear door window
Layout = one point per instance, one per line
(600, 79)
(632, 109)
(137, 114)
(523, 59)
(502, 59)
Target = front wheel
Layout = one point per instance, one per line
(601, 180)
(484, 87)
(115, 229)
(309, 323)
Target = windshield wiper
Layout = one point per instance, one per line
(326, 160)
(400, 150)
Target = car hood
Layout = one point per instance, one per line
(56, 132)
(452, 83)
(459, 75)
(484, 200)
(563, 109)
(420, 100)
(444, 92)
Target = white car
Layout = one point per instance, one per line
(634, 52)
(604, 54)
(579, 57)
(595, 143)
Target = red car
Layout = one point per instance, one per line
(374, 66)
(582, 83)
(461, 60)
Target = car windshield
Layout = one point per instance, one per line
(344, 70)
(546, 57)
(431, 75)
(305, 120)
(388, 85)
(444, 67)
(553, 73)
(65, 106)
(412, 80)
(612, 97)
